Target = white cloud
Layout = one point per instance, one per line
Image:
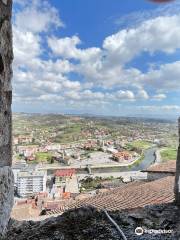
(35, 77)
(108, 69)
(37, 16)
(105, 79)
(142, 94)
(67, 48)
(136, 18)
(26, 46)
(153, 108)
(158, 34)
(164, 78)
(127, 95)
(72, 85)
(88, 94)
(50, 97)
(159, 97)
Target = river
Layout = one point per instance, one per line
(127, 173)
(149, 158)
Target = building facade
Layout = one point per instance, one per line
(30, 183)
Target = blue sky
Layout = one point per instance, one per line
(97, 56)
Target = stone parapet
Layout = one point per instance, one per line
(6, 196)
(6, 58)
(177, 178)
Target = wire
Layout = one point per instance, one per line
(115, 224)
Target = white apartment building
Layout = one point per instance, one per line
(31, 182)
(18, 167)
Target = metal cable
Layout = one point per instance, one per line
(115, 224)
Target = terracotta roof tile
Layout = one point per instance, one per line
(169, 167)
(65, 172)
(130, 196)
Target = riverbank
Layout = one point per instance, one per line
(127, 176)
(128, 173)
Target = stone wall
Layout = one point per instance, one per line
(151, 176)
(90, 223)
(6, 57)
(177, 178)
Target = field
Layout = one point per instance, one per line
(141, 145)
(43, 157)
(168, 154)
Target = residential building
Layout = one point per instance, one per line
(62, 176)
(133, 195)
(28, 151)
(121, 156)
(66, 183)
(157, 171)
(30, 183)
(16, 168)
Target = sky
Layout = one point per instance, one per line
(102, 57)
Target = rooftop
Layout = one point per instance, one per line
(65, 172)
(134, 195)
(31, 173)
(130, 196)
(167, 167)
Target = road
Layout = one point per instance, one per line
(127, 176)
(128, 173)
(112, 170)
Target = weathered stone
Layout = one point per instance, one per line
(97, 226)
(1, 65)
(6, 196)
(6, 57)
(177, 178)
(5, 1)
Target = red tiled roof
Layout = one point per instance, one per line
(65, 172)
(168, 167)
(130, 196)
(121, 154)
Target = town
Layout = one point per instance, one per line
(61, 159)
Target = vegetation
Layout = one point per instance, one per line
(142, 145)
(91, 183)
(137, 162)
(168, 154)
(43, 157)
(138, 146)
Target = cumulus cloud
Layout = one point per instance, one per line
(125, 95)
(67, 48)
(107, 66)
(136, 18)
(158, 34)
(166, 77)
(26, 46)
(62, 71)
(36, 78)
(37, 16)
(159, 97)
(142, 94)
